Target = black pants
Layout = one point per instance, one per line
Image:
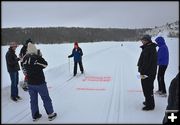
(147, 87)
(160, 77)
(80, 66)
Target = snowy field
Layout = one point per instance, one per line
(108, 92)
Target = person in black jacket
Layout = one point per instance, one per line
(34, 64)
(173, 98)
(21, 56)
(77, 54)
(147, 66)
(13, 68)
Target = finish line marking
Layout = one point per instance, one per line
(95, 89)
(97, 79)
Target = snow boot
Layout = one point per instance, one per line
(37, 117)
(52, 116)
(14, 99)
(18, 98)
(146, 108)
(144, 103)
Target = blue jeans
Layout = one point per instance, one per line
(43, 92)
(14, 83)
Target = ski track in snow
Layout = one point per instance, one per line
(23, 112)
(113, 104)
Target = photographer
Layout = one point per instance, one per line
(34, 64)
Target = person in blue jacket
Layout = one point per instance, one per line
(163, 61)
(77, 53)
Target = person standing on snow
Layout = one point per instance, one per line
(173, 98)
(77, 54)
(13, 68)
(34, 64)
(21, 56)
(147, 66)
(163, 60)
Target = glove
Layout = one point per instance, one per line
(143, 76)
(39, 52)
(68, 56)
(21, 59)
(18, 59)
(35, 62)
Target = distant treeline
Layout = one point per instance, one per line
(65, 35)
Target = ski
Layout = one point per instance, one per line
(70, 78)
(78, 75)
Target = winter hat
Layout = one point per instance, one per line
(146, 38)
(13, 44)
(76, 43)
(27, 41)
(31, 49)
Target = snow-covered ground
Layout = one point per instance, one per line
(108, 92)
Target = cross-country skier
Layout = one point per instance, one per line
(77, 53)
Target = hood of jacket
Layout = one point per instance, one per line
(160, 41)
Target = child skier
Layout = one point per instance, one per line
(77, 54)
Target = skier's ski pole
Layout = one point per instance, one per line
(69, 64)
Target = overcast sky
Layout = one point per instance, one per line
(89, 14)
